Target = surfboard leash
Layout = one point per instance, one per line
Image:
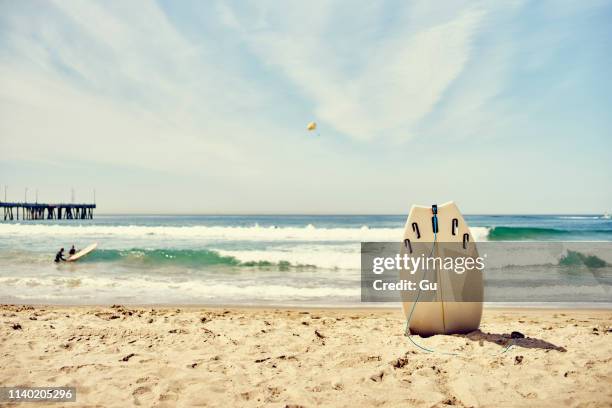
(409, 318)
(434, 221)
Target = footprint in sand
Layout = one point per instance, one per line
(168, 397)
(141, 390)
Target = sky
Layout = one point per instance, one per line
(202, 107)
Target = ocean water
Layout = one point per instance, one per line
(246, 260)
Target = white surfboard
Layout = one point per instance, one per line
(83, 252)
(444, 316)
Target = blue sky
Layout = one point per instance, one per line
(201, 107)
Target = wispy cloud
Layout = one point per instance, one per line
(125, 73)
(385, 94)
(119, 78)
(221, 92)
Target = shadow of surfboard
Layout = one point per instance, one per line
(503, 340)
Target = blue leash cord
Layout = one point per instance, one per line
(407, 330)
(409, 318)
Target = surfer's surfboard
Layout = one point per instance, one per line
(444, 316)
(83, 252)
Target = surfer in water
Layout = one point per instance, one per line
(72, 251)
(59, 257)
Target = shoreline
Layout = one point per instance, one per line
(238, 306)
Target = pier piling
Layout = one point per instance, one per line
(36, 211)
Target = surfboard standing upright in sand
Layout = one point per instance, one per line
(442, 315)
(82, 253)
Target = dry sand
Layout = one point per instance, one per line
(124, 356)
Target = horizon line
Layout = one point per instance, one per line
(319, 214)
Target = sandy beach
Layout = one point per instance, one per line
(162, 356)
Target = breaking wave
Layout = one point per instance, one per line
(218, 233)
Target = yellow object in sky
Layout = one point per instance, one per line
(311, 126)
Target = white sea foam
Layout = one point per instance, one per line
(139, 290)
(220, 233)
(322, 257)
(568, 292)
(480, 234)
(579, 217)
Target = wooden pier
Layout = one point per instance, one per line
(36, 211)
